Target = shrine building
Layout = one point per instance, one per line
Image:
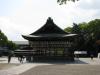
(51, 43)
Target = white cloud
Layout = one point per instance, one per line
(33, 14)
(89, 4)
(10, 29)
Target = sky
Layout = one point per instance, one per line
(22, 17)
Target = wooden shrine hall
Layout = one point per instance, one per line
(51, 43)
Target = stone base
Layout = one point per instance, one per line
(50, 58)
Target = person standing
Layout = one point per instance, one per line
(10, 54)
(91, 56)
(98, 55)
(21, 58)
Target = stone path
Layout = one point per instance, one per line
(19, 69)
(95, 61)
(63, 69)
(81, 65)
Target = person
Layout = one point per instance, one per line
(10, 54)
(21, 58)
(98, 55)
(77, 56)
(91, 56)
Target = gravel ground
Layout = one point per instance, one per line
(64, 69)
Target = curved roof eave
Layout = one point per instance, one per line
(48, 36)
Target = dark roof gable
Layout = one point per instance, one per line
(49, 28)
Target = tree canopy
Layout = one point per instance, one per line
(3, 39)
(4, 42)
(88, 34)
(92, 28)
(65, 1)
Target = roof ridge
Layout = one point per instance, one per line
(49, 28)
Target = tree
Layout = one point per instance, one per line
(76, 29)
(11, 45)
(88, 34)
(65, 1)
(68, 29)
(94, 28)
(4, 42)
(3, 39)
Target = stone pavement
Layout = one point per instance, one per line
(17, 69)
(30, 66)
(64, 69)
(82, 66)
(13, 60)
(95, 61)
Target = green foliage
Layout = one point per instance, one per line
(3, 39)
(68, 29)
(11, 45)
(83, 26)
(90, 29)
(76, 29)
(4, 42)
(88, 34)
(94, 28)
(65, 1)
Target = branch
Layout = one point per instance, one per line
(65, 1)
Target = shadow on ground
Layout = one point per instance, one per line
(79, 62)
(61, 62)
